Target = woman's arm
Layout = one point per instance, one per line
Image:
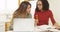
(36, 21)
(53, 21)
(36, 18)
(57, 26)
(52, 17)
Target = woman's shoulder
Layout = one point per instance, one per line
(49, 11)
(29, 16)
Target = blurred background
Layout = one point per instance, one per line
(7, 8)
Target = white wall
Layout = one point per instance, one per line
(2, 5)
(7, 7)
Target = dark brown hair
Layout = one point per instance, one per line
(45, 5)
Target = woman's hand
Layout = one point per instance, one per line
(57, 26)
(36, 21)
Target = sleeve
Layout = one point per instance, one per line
(52, 17)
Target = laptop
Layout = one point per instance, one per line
(23, 24)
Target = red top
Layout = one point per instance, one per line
(43, 17)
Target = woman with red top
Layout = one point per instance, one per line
(43, 13)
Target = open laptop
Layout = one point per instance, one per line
(23, 24)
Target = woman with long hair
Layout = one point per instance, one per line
(23, 11)
(43, 13)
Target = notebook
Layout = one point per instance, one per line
(23, 24)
